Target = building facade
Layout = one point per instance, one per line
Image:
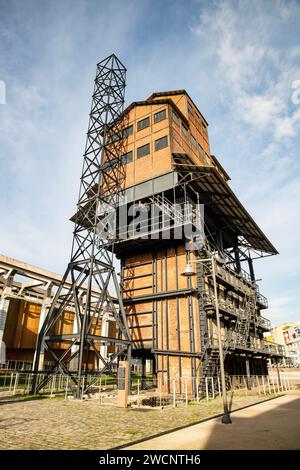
(288, 334)
(26, 293)
(172, 316)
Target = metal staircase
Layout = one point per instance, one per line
(210, 370)
(168, 208)
(212, 359)
(244, 320)
(240, 336)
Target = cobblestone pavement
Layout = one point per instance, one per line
(59, 424)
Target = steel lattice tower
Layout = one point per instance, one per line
(91, 267)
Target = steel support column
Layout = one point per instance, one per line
(92, 257)
(5, 302)
(44, 311)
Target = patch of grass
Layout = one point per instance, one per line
(132, 432)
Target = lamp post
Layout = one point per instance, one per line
(190, 272)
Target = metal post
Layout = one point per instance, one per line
(174, 394)
(26, 383)
(248, 373)
(11, 380)
(67, 386)
(16, 383)
(258, 386)
(219, 385)
(206, 388)
(277, 389)
(186, 392)
(269, 386)
(160, 386)
(143, 382)
(274, 385)
(263, 384)
(246, 385)
(129, 354)
(278, 375)
(52, 386)
(226, 418)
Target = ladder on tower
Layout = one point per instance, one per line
(208, 385)
(245, 319)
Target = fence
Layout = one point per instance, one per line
(172, 391)
(21, 366)
(175, 391)
(20, 383)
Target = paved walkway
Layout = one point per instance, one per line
(274, 424)
(75, 424)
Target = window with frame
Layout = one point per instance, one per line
(160, 116)
(176, 119)
(143, 123)
(190, 109)
(128, 131)
(161, 143)
(113, 138)
(201, 150)
(198, 119)
(185, 130)
(194, 142)
(127, 157)
(143, 151)
(110, 164)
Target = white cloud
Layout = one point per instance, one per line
(286, 127)
(256, 74)
(44, 123)
(255, 64)
(259, 111)
(281, 310)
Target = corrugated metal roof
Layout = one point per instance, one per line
(157, 103)
(225, 202)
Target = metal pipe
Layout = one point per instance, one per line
(226, 417)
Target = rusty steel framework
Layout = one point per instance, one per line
(92, 255)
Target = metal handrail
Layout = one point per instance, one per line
(234, 339)
(264, 323)
(242, 281)
(229, 307)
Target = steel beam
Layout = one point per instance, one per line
(91, 264)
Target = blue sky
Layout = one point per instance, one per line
(238, 60)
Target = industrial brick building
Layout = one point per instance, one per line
(167, 291)
(172, 317)
(26, 292)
